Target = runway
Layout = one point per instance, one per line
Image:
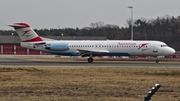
(12, 62)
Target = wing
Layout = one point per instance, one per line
(87, 52)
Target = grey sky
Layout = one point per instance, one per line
(80, 13)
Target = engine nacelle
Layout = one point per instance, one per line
(58, 46)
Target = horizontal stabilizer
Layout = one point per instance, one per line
(19, 25)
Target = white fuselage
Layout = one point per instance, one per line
(106, 48)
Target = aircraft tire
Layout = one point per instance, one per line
(157, 61)
(90, 60)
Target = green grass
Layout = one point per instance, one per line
(32, 83)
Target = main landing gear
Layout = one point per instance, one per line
(90, 60)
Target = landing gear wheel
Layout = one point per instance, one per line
(90, 60)
(157, 61)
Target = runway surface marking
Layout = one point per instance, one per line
(10, 62)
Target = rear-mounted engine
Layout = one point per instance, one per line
(58, 46)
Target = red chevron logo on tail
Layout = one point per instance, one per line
(26, 32)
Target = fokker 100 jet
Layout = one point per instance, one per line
(31, 40)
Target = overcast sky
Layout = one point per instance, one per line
(80, 13)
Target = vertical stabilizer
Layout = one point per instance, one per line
(26, 33)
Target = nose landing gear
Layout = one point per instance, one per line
(157, 61)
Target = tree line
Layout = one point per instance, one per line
(166, 29)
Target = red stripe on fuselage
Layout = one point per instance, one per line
(34, 40)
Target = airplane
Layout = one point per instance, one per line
(30, 39)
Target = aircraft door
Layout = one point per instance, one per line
(157, 50)
(98, 46)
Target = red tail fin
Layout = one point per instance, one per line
(26, 33)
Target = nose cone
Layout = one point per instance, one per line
(169, 51)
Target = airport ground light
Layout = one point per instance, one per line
(152, 92)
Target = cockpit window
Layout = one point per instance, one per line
(163, 45)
